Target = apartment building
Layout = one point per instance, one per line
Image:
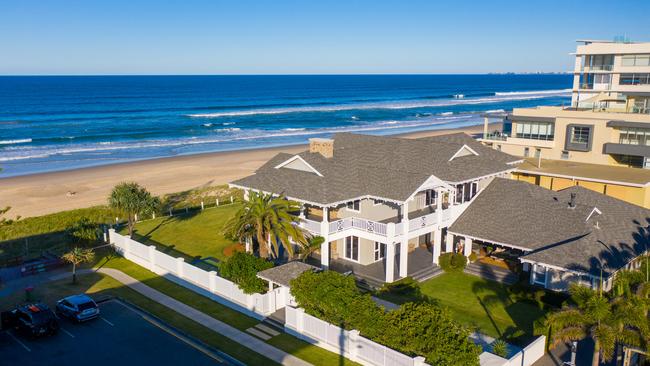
(608, 123)
(388, 207)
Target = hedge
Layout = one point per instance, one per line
(415, 329)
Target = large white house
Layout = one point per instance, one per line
(386, 206)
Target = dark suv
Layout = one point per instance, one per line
(32, 319)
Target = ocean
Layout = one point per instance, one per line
(54, 123)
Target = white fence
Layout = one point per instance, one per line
(346, 343)
(206, 283)
(366, 352)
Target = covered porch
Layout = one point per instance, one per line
(492, 261)
(420, 267)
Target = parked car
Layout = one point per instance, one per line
(77, 307)
(31, 319)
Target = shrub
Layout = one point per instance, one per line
(452, 262)
(473, 257)
(428, 330)
(421, 328)
(242, 269)
(335, 298)
(500, 348)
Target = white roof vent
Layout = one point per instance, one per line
(463, 151)
(298, 163)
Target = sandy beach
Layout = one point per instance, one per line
(40, 194)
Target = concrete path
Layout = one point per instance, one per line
(224, 329)
(16, 284)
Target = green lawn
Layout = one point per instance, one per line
(479, 303)
(192, 236)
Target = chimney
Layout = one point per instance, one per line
(572, 201)
(322, 146)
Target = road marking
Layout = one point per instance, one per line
(66, 332)
(19, 342)
(107, 322)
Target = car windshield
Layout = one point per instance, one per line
(86, 305)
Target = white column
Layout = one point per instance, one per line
(467, 247)
(390, 262)
(212, 281)
(325, 233)
(449, 244)
(439, 192)
(354, 345)
(404, 244)
(248, 245)
(152, 258)
(436, 245)
(179, 267)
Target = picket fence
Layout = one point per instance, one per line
(350, 344)
(206, 283)
(347, 343)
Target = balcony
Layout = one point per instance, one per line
(417, 220)
(598, 68)
(495, 136)
(546, 141)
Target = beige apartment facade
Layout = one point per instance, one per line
(607, 124)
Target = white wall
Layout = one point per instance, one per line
(206, 283)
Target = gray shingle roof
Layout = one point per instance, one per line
(283, 274)
(537, 219)
(387, 167)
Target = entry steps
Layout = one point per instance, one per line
(263, 331)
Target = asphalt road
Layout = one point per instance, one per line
(120, 336)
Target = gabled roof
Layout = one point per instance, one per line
(539, 221)
(377, 166)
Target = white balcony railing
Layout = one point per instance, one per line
(310, 225)
(379, 228)
(357, 223)
(423, 221)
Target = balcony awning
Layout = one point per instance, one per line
(627, 124)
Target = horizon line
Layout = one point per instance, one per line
(303, 74)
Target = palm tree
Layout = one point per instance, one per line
(605, 322)
(313, 244)
(130, 200)
(76, 257)
(268, 219)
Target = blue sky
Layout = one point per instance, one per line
(298, 37)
